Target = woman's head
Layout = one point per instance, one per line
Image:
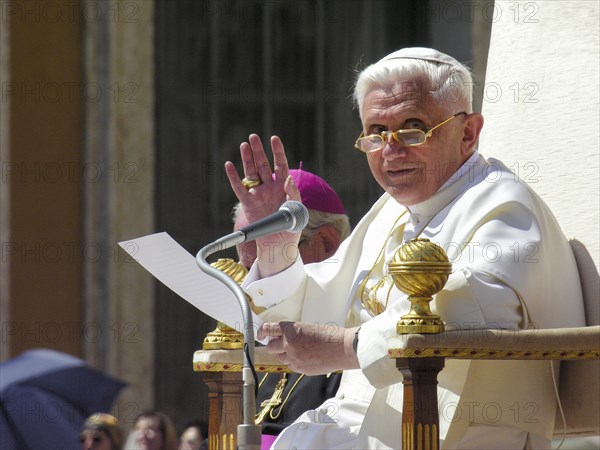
(155, 431)
(100, 432)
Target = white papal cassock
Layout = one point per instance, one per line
(512, 268)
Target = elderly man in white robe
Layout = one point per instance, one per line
(512, 269)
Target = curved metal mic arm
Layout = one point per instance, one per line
(249, 434)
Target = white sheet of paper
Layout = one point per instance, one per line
(171, 264)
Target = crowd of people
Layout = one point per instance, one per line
(153, 430)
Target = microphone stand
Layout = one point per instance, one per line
(248, 433)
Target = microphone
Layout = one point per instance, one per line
(292, 216)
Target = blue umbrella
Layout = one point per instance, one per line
(45, 397)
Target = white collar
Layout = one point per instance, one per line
(459, 182)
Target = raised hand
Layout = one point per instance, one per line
(261, 192)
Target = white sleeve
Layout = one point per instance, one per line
(282, 294)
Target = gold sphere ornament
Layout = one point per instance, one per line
(420, 269)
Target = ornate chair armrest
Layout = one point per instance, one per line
(556, 343)
(233, 361)
(578, 348)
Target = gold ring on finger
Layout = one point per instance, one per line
(250, 183)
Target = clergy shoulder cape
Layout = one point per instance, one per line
(512, 268)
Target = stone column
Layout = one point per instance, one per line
(119, 139)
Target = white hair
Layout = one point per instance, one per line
(450, 83)
(339, 222)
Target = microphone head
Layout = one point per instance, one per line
(299, 215)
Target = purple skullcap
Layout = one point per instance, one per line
(316, 193)
(426, 54)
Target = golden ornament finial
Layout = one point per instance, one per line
(420, 269)
(225, 337)
(232, 268)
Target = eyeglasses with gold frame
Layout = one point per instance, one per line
(407, 137)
